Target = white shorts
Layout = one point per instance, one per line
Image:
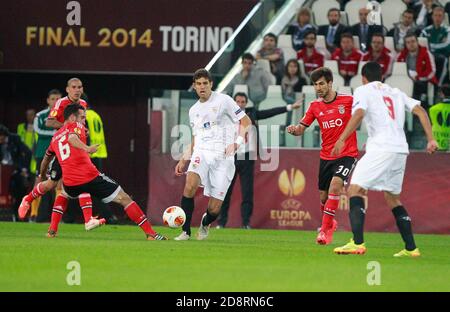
(216, 172)
(380, 171)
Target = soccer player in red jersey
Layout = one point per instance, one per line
(80, 176)
(332, 111)
(55, 120)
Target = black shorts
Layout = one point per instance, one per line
(101, 187)
(55, 171)
(341, 167)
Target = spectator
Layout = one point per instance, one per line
(380, 54)
(292, 81)
(438, 36)
(365, 31)
(333, 30)
(245, 161)
(274, 55)
(257, 79)
(299, 29)
(421, 66)
(26, 133)
(423, 13)
(45, 135)
(348, 57)
(15, 153)
(312, 59)
(404, 27)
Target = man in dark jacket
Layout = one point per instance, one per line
(14, 152)
(244, 161)
(333, 30)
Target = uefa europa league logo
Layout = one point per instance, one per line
(292, 184)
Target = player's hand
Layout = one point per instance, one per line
(231, 149)
(337, 149)
(432, 147)
(179, 168)
(297, 104)
(93, 148)
(292, 129)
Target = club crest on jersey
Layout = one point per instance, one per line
(341, 109)
(54, 113)
(77, 131)
(197, 160)
(207, 125)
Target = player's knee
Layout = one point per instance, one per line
(335, 188)
(189, 190)
(355, 190)
(392, 200)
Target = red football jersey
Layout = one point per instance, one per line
(76, 165)
(57, 111)
(332, 118)
(348, 63)
(312, 62)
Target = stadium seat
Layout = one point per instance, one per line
(399, 69)
(360, 66)
(288, 54)
(389, 43)
(303, 74)
(332, 65)
(290, 140)
(356, 81)
(285, 41)
(266, 131)
(391, 11)
(356, 42)
(345, 90)
(308, 138)
(265, 64)
(320, 9)
(243, 89)
(402, 82)
(322, 47)
(338, 81)
(446, 20)
(352, 9)
(344, 18)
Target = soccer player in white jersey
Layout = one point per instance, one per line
(218, 126)
(383, 166)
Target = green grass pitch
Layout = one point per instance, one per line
(118, 258)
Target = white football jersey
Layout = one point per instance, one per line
(384, 116)
(215, 122)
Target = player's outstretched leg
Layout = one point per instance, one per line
(357, 214)
(90, 222)
(38, 190)
(59, 207)
(135, 213)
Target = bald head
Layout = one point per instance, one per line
(363, 12)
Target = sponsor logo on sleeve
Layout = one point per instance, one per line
(238, 111)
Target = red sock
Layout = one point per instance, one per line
(86, 206)
(135, 213)
(330, 210)
(59, 207)
(35, 193)
(322, 207)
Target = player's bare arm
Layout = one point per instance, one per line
(421, 113)
(179, 168)
(53, 123)
(244, 126)
(75, 141)
(296, 130)
(352, 125)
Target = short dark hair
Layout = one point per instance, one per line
(372, 71)
(248, 56)
(334, 9)
(241, 94)
(4, 130)
(271, 35)
(378, 34)
(309, 32)
(409, 34)
(409, 11)
(320, 72)
(445, 89)
(53, 92)
(346, 35)
(201, 73)
(72, 109)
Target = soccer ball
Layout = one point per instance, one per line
(174, 217)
